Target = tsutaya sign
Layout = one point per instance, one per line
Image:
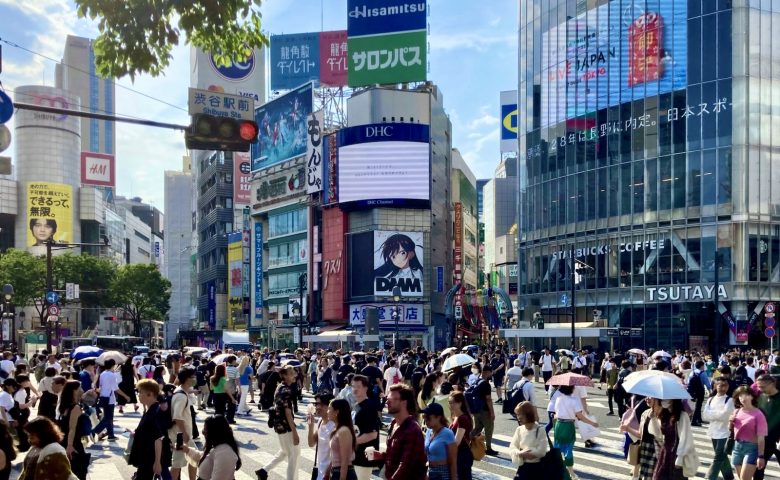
(605, 249)
(685, 293)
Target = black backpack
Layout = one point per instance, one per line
(516, 397)
(475, 401)
(620, 391)
(165, 409)
(696, 386)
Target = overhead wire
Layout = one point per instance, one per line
(16, 45)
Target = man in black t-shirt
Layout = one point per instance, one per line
(367, 421)
(267, 383)
(486, 417)
(149, 431)
(374, 376)
(345, 369)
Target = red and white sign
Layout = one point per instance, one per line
(242, 179)
(98, 169)
(54, 309)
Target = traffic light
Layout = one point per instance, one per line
(209, 132)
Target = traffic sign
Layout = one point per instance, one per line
(53, 318)
(769, 332)
(52, 297)
(6, 107)
(769, 322)
(54, 309)
(769, 307)
(564, 299)
(5, 138)
(458, 312)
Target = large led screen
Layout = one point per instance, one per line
(384, 164)
(616, 53)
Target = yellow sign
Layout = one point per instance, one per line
(49, 213)
(508, 120)
(235, 260)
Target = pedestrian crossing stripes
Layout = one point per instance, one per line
(259, 445)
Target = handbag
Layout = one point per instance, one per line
(587, 431)
(315, 472)
(478, 447)
(129, 449)
(551, 463)
(633, 453)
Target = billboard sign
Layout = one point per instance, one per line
(98, 169)
(509, 121)
(333, 58)
(235, 261)
(388, 58)
(295, 60)
(384, 164)
(613, 54)
(242, 179)
(386, 41)
(212, 306)
(314, 153)
(258, 271)
(281, 185)
(408, 313)
(245, 79)
(220, 104)
(370, 17)
(398, 262)
(283, 128)
(49, 213)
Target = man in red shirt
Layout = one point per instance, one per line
(405, 455)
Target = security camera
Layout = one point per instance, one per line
(537, 315)
(596, 313)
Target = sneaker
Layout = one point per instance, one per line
(102, 436)
(261, 474)
(588, 444)
(112, 439)
(491, 452)
(500, 400)
(611, 413)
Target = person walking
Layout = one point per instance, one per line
(675, 451)
(245, 373)
(47, 459)
(151, 450)
(342, 441)
(404, 457)
(7, 451)
(750, 430)
(485, 417)
(128, 376)
(769, 403)
(610, 378)
(74, 427)
(319, 437)
(440, 446)
(284, 426)
(568, 409)
(717, 412)
(220, 458)
(267, 384)
(222, 397)
(462, 425)
(367, 422)
(514, 375)
(698, 387)
(182, 421)
(108, 386)
(547, 366)
(529, 443)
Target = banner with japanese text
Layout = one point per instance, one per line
(389, 58)
(49, 214)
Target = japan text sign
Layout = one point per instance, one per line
(220, 104)
(408, 313)
(49, 213)
(98, 169)
(388, 58)
(295, 60)
(370, 17)
(314, 153)
(333, 58)
(242, 178)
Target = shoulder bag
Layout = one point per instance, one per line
(551, 464)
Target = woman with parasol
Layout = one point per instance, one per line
(568, 409)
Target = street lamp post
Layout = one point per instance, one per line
(296, 307)
(397, 295)
(8, 295)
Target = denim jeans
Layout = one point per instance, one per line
(720, 462)
(107, 422)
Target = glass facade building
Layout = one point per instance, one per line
(649, 134)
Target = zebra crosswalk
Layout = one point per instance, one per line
(259, 445)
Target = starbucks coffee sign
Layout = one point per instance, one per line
(685, 293)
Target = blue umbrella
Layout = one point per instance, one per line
(85, 351)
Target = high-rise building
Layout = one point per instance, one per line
(77, 74)
(464, 220)
(178, 235)
(653, 164)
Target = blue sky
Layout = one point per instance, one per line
(473, 56)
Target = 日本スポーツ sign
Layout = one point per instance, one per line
(386, 41)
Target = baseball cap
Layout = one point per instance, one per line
(433, 409)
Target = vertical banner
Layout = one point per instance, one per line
(235, 262)
(49, 213)
(314, 153)
(212, 306)
(242, 178)
(333, 58)
(258, 271)
(509, 121)
(458, 253)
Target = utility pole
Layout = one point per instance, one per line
(715, 301)
(49, 288)
(573, 291)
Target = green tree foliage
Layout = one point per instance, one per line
(137, 36)
(26, 273)
(93, 274)
(141, 292)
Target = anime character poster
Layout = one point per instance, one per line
(283, 128)
(398, 261)
(50, 215)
